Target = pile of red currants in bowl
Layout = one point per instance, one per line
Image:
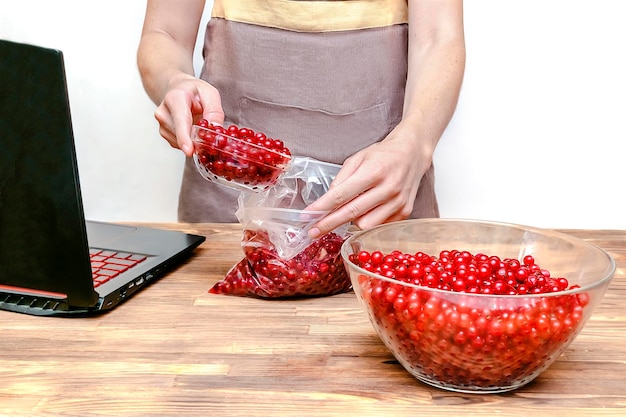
(452, 338)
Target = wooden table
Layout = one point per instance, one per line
(175, 349)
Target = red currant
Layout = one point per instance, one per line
(317, 270)
(488, 343)
(240, 154)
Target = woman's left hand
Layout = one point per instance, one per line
(376, 185)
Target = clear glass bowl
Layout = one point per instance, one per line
(234, 162)
(472, 342)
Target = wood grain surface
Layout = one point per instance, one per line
(176, 350)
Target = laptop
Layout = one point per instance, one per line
(49, 253)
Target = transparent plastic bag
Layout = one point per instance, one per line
(280, 258)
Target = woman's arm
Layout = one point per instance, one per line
(379, 183)
(165, 62)
(436, 62)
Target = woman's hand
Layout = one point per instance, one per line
(186, 101)
(379, 184)
(165, 62)
(376, 185)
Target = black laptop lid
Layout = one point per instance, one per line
(42, 227)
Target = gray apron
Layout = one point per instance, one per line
(326, 95)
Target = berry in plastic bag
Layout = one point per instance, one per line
(318, 270)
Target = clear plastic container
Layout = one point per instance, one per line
(242, 163)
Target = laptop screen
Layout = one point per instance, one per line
(42, 228)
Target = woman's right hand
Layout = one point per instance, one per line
(187, 100)
(165, 62)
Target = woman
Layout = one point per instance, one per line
(369, 84)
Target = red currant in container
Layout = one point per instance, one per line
(475, 306)
(238, 157)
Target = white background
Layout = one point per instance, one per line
(538, 137)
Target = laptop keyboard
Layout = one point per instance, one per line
(106, 264)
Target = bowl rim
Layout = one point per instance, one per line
(196, 139)
(604, 280)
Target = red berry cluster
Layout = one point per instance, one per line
(316, 271)
(466, 337)
(462, 271)
(240, 154)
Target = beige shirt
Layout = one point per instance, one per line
(314, 16)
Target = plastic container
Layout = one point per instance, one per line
(242, 161)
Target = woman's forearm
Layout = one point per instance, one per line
(436, 65)
(167, 44)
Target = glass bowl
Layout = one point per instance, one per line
(236, 160)
(472, 339)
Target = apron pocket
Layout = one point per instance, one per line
(316, 133)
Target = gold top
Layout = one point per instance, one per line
(314, 15)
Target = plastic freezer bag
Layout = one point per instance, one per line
(280, 259)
